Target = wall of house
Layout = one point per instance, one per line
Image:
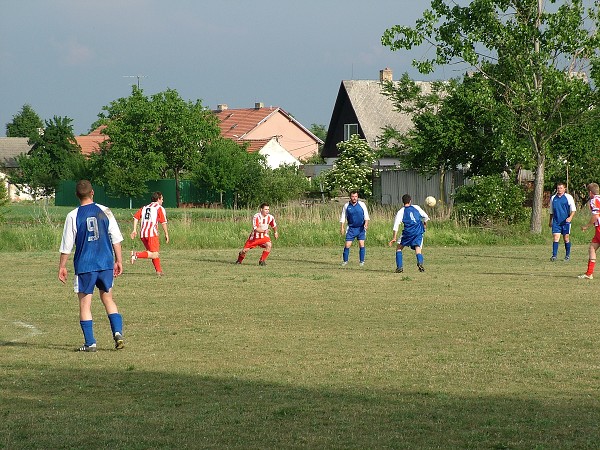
(344, 113)
(292, 137)
(276, 155)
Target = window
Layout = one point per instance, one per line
(349, 130)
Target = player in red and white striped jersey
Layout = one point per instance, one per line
(150, 216)
(259, 237)
(594, 194)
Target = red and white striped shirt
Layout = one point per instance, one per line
(595, 208)
(150, 216)
(260, 226)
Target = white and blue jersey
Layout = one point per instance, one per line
(92, 229)
(412, 217)
(356, 215)
(562, 207)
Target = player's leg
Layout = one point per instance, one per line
(361, 246)
(84, 286)
(265, 254)
(399, 267)
(555, 241)
(105, 284)
(350, 235)
(247, 246)
(566, 234)
(592, 256)
(419, 255)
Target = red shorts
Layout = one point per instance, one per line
(151, 243)
(260, 242)
(596, 237)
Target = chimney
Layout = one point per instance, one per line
(222, 107)
(385, 75)
(259, 105)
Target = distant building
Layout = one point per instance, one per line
(10, 148)
(272, 126)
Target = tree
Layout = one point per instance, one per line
(533, 59)
(184, 130)
(131, 156)
(227, 166)
(151, 138)
(354, 167)
(24, 124)
(54, 157)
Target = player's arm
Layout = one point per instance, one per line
(118, 267)
(135, 224)
(591, 222)
(396, 226)
(550, 221)
(343, 220)
(275, 233)
(165, 229)
(572, 209)
(366, 213)
(62, 267)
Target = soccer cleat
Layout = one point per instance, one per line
(344, 263)
(133, 257)
(262, 263)
(399, 270)
(362, 263)
(238, 262)
(421, 268)
(553, 258)
(119, 341)
(567, 258)
(585, 276)
(86, 348)
(160, 274)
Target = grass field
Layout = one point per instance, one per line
(491, 347)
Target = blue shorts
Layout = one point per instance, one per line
(85, 282)
(356, 233)
(412, 240)
(562, 228)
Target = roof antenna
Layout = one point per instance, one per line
(136, 76)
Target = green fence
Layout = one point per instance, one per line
(190, 195)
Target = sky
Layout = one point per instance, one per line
(70, 58)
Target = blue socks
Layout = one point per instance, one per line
(346, 254)
(398, 259)
(87, 326)
(555, 249)
(568, 249)
(116, 323)
(361, 254)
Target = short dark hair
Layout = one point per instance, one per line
(406, 199)
(83, 189)
(156, 196)
(262, 205)
(353, 192)
(561, 183)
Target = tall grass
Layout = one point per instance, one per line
(35, 227)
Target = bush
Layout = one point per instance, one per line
(4, 200)
(490, 200)
(284, 183)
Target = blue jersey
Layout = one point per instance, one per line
(562, 206)
(92, 229)
(412, 218)
(355, 214)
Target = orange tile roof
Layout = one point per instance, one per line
(91, 143)
(235, 123)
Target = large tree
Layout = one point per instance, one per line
(54, 157)
(151, 138)
(26, 123)
(353, 168)
(535, 59)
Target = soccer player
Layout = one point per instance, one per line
(259, 237)
(561, 214)
(415, 221)
(594, 194)
(94, 232)
(357, 215)
(150, 216)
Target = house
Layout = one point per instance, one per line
(10, 148)
(361, 108)
(90, 143)
(272, 126)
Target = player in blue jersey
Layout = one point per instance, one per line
(93, 231)
(562, 210)
(414, 221)
(356, 214)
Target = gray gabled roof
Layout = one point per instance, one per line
(10, 148)
(374, 110)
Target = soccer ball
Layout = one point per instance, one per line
(430, 201)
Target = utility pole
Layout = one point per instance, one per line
(135, 76)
